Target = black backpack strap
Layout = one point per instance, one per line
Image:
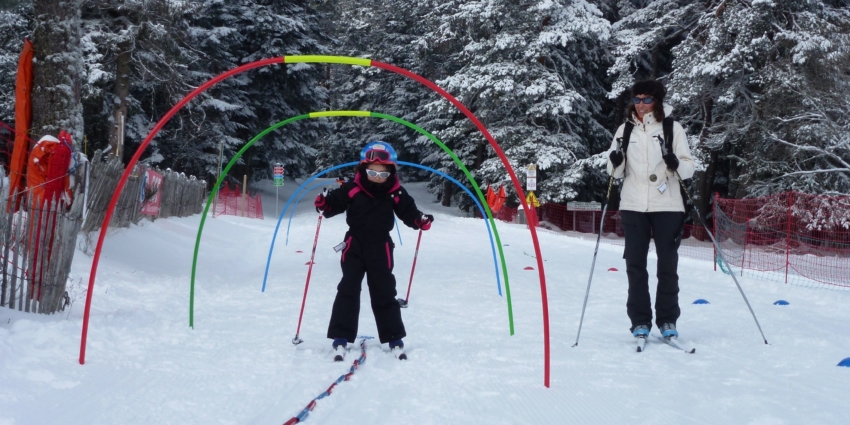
(667, 125)
(627, 134)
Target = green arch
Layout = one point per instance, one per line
(368, 114)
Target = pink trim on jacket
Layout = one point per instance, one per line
(347, 246)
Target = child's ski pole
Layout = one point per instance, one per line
(403, 302)
(298, 340)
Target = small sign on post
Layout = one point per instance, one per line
(531, 177)
(584, 206)
(278, 182)
(278, 175)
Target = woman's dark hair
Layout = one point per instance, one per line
(652, 88)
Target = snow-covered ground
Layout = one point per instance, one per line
(144, 365)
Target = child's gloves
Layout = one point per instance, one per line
(424, 222)
(321, 202)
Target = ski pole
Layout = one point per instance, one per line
(403, 302)
(595, 251)
(298, 340)
(716, 246)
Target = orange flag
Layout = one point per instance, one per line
(23, 114)
(499, 201)
(491, 197)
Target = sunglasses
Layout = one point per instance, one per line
(379, 174)
(374, 155)
(646, 100)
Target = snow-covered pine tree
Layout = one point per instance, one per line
(58, 69)
(766, 77)
(15, 24)
(136, 59)
(644, 32)
(170, 47)
(387, 31)
(529, 71)
(227, 35)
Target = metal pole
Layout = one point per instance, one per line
(719, 252)
(595, 251)
(217, 176)
(86, 193)
(244, 194)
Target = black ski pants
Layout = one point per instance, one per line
(374, 259)
(666, 229)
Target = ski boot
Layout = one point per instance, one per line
(668, 330)
(339, 346)
(397, 348)
(641, 332)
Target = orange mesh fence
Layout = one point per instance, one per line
(506, 214)
(231, 201)
(790, 237)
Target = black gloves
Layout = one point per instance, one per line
(616, 158)
(671, 161)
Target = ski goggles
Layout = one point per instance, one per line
(375, 155)
(646, 100)
(379, 174)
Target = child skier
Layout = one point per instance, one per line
(369, 202)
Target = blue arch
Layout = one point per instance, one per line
(300, 188)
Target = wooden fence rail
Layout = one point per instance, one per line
(181, 196)
(37, 242)
(37, 245)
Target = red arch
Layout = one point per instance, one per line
(277, 60)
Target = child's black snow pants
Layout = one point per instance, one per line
(666, 229)
(374, 258)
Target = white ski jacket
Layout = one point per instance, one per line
(649, 186)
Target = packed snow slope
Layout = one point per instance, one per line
(237, 366)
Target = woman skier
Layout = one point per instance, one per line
(651, 205)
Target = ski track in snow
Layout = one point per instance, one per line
(144, 365)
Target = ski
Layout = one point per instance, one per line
(672, 342)
(641, 343)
